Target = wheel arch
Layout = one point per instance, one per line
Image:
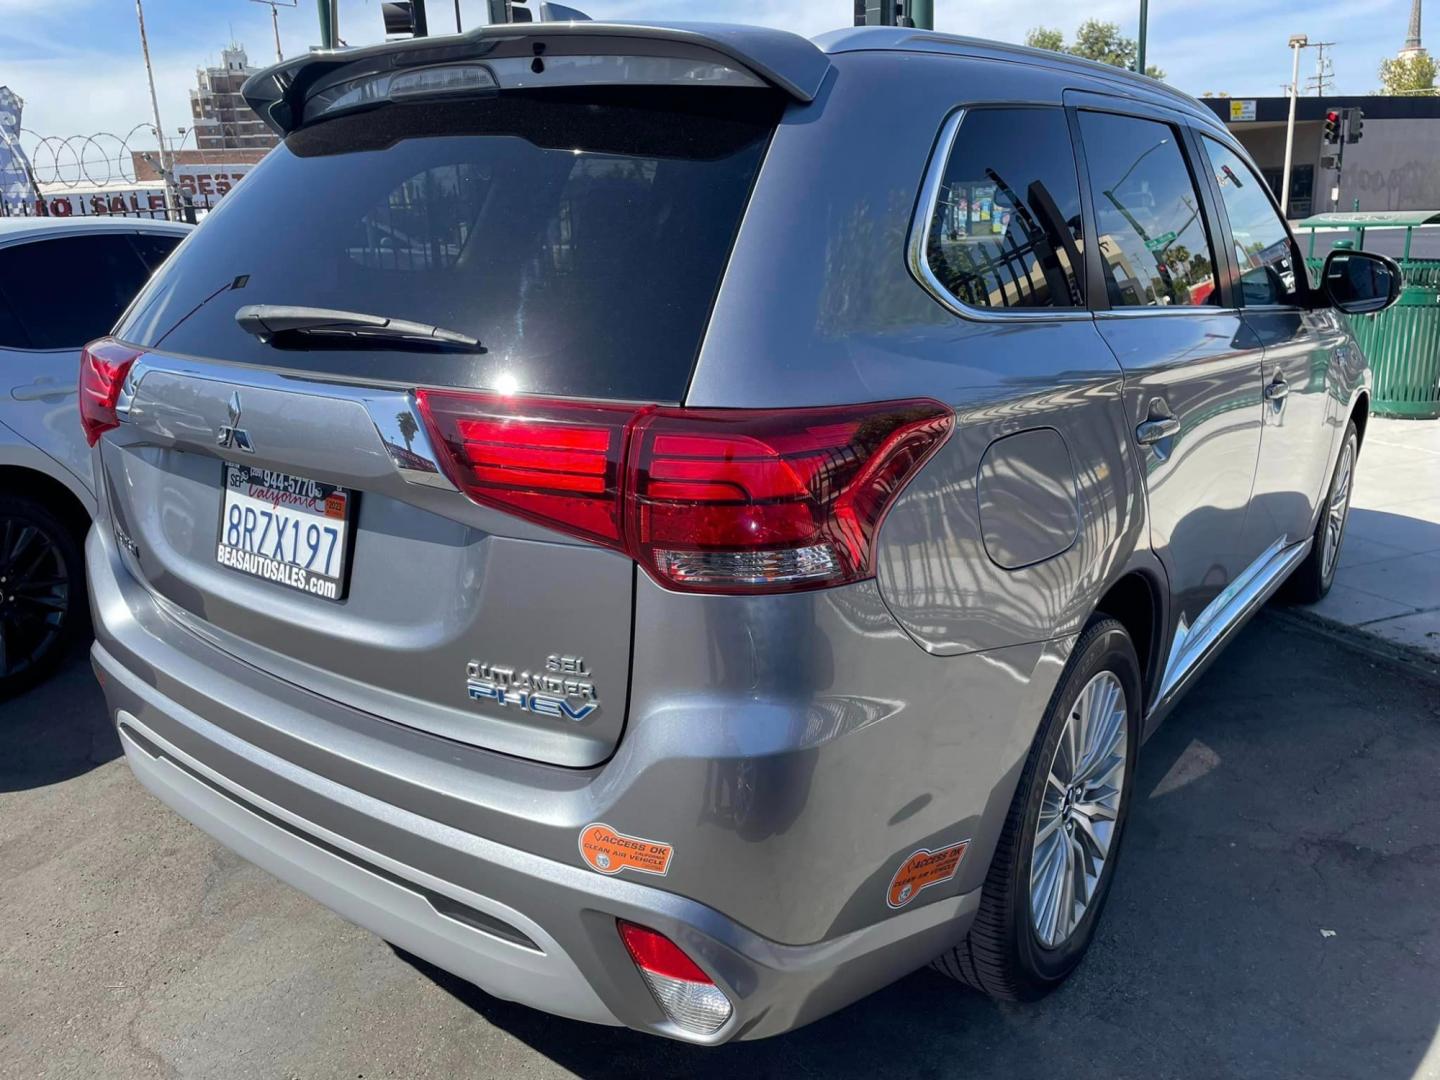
(1360, 414)
(25, 482)
(1136, 600)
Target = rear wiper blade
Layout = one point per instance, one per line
(297, 326)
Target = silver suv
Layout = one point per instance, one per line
(63, 281)
(681, 526)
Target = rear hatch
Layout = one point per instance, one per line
(280, 492)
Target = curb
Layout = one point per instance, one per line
(1413, 661)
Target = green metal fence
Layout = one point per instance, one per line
(1403, 342)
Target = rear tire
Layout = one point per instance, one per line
(1311, 580)
(1028, 937)
(42, 592)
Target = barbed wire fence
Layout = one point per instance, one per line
(95, 163)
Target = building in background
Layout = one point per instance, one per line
(1412, 38)
(1395, 165)
(222, 119)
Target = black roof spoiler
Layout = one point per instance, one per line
(778, 58)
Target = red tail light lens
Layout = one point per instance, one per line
(724, 500)
(652, 951)
(706, 500)
(103, 367)
(554, 462)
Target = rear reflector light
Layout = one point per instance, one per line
(706, 500)
(687, 995)
(103, 367)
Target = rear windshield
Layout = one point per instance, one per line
(581, 240)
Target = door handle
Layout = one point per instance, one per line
(1277, 390)
(1155, 429)
(42, 390)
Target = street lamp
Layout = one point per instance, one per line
(1297, 42)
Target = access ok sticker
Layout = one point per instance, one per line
(922, 869)
(609, 852)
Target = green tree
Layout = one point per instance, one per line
(1094, 40)
(1412, 74)
(1045, 37)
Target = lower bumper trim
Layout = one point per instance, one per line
(537, 972)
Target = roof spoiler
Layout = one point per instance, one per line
(534, 55)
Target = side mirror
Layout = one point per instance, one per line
(1360, 282)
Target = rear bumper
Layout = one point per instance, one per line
(541, 933)
(522, 926)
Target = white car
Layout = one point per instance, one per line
(63, 282)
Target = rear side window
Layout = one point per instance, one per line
(154, 248)
(70, 290)
(581, 239)
(1006, 228)
(1149, 226)
(1263, 247)
(12, 334)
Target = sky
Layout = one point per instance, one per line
(77, 63)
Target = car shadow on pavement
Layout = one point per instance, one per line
(1272, 916)
(56, 730)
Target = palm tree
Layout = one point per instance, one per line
(408, 427)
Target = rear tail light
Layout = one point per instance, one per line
(687, 995)
(554, 462)
(103, 367)
(706, 500)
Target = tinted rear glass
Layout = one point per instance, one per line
(581, 240)
(68, 290)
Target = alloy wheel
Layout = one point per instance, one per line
(34, 595)
(1337, 510)
(1079, 811)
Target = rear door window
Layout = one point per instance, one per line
(154, 248)
(69, 290)
(1149, 225)
(581, 239)
(1006, 232)
(1264, 249)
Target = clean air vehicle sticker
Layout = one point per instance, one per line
(609, 852)
(922, 869)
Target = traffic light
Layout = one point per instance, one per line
(403, 17)
(510, 11)
(1354, 124)
(883, 13)
(1332, 126)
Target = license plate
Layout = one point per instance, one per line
(285, 529)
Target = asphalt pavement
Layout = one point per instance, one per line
(1274, 914)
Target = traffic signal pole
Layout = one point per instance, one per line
(329, 19)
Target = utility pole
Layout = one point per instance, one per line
(1140, 41)
(1297, 42)
(275, 5)
(1324, 69)
(165, 170)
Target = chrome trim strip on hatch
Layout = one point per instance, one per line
(1251, 588)
(407, 444)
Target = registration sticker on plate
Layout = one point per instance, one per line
(285, 529)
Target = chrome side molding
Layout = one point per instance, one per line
(1251, 588)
